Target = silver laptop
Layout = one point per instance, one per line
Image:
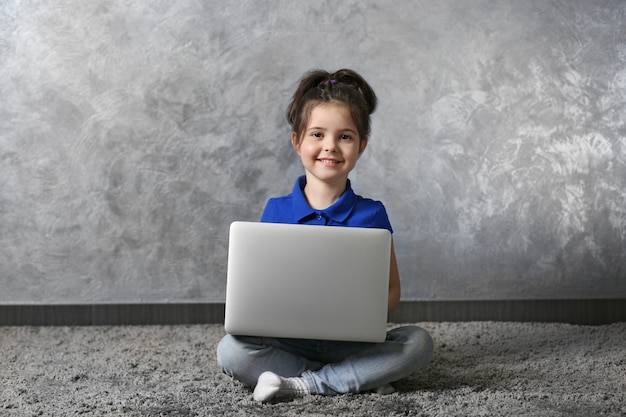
(308, 282)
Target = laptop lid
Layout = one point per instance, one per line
(309, 282)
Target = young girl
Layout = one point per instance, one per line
(330, 119)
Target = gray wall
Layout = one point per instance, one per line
(133, 133)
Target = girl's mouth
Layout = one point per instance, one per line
(329, 162)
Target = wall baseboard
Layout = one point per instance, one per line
(585, 311)
(588, 312)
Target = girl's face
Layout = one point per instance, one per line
(330, 145)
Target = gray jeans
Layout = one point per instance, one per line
(329, 367)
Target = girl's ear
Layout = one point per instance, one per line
(362, 145)
(295, 142)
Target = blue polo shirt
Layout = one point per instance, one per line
(350, 210)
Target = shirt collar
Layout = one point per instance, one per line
(338, 212)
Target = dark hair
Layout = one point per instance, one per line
(344, 86)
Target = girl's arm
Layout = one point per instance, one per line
(394, 281)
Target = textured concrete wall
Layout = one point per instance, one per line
(133, 132)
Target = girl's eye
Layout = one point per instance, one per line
(316, 134)
(345, 137)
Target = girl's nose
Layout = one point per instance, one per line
(330, 144)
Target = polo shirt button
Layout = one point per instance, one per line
(319, 216)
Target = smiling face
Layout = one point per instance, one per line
(330, 145)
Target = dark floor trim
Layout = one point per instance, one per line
(592, 312)
(110, 314)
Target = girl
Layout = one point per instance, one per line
(330, 120)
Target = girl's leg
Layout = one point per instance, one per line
(246, 358)
(406, 350)
(348, 368)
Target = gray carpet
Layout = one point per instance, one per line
(479, 369)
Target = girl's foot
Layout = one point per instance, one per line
(270, 385)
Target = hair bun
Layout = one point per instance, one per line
(353, 79)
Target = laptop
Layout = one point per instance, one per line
(307, 282)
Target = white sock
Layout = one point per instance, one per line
(270, 385)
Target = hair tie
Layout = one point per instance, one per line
(333, 82)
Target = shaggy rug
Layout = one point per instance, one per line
(479, 369)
